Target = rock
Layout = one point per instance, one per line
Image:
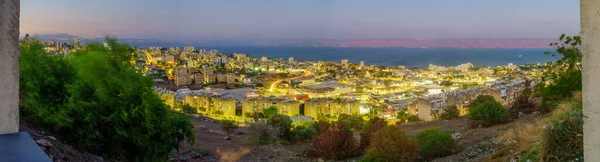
(227, 138)
(456, 135)
(240, 133)
(42, 132)
(52, 138)
(44, 142)
(97, 158)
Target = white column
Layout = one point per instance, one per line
(590, 35)
(9, 66)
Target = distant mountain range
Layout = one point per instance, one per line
(392, 42)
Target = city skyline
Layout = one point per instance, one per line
(301, 19)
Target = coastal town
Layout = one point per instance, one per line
(238, 87)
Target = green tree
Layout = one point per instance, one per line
(269, 112)
(100, 102)
(352, 122)
(450, 112)
(283, 124)
(435, 142)
(392, 144)
(482, 99)
(490, 113)
(188, 109)
(563, 77)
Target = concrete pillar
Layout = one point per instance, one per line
(590, 35)
(9, 66)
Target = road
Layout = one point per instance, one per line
(276, 83)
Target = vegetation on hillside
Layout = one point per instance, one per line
(488, 113)
(333, 141)
(95, 97)
(392, 144)
(558, 136)
(435, 143)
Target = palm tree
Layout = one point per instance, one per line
(9, 59)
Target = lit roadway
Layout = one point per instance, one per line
(276, 83)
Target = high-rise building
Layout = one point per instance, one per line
(264, 59)
(77, 42)
(362, 63)
(345, 62)
(291, 59)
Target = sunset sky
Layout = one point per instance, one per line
(302, 19)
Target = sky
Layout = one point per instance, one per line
(301, 19)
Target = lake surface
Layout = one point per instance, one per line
(409, 57)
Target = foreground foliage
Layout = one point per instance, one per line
(450, 112)
(435, 143)
(333, 141)
(97, 99)
(392, 144)
(488, 114)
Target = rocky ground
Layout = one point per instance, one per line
(473, 143)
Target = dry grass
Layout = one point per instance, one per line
(521, 138)
(232, 156)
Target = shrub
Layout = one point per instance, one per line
(365, 136)
(269, 112)
(564, 140)
(404, 117)
(303, 132)
(202, 151)
(333, 142)
(97, 99)
(450, 112)
(521, 104)
(482, 99)
(490, 113)
(228, 126)
(262, 133)
(391, 144)
(188, 109)
(282, 123)
(435, 143)
(352, 122)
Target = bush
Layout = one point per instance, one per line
(391, 144)
(564, 140)
(435, 143)
(187, 109)
(365, 136)
(333, 142)
(269, 112)
(482, 99)
(303, 132)
(490, 113)
(521, 104)
(404, 117)
(352, 122)
(228, 126)
(97, 99)
(262, 133)
(450, 112)
(202, 151)
(282, 123)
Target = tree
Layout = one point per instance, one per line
(187, 109)
(270, 112)
(391, 144)
(365, 136)
(333, 142)
(283, 124)
(435, 142)
(564, 76)
(482, 99)
(228, 126)
(100, 102)
(352, 122)
(490, 113)
(450, 112)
